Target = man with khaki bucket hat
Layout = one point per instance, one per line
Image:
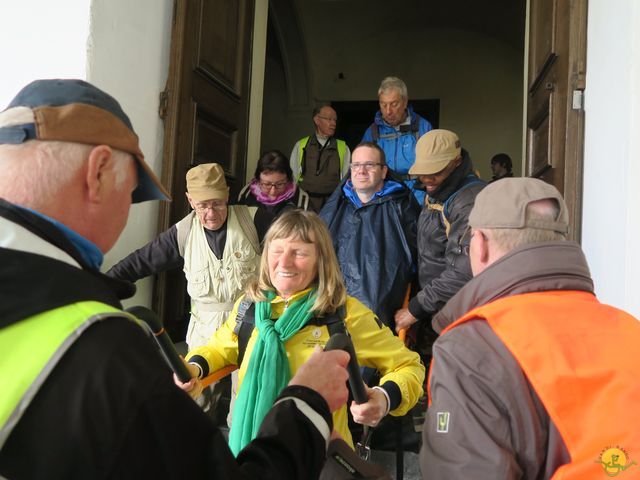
(216, 245)
(446, 172)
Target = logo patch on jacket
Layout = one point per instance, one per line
(443, 422)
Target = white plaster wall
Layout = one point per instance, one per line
(41, 39)
(128, 56)
(611, 207)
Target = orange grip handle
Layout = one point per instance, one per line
(402, 334)
(217, 375)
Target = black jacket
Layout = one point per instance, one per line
(443, 268)
(109, 408)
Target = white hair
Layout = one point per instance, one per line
(393, 83)
(35, 171)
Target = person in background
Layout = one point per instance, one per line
(85, 392)
(396, 129)
(529, 364)
(320, 161)
(501, 166)
(451, 185)
(372, 220)
(272, 188)
(297, 302)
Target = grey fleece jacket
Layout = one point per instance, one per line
(485, 420)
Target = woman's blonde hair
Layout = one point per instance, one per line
(309, 228)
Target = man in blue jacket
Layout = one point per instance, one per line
(372, 219)
(396, 129)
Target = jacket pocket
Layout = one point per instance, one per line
(198, 282)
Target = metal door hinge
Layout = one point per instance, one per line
(578, 100)
(164, 103)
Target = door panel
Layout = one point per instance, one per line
(207, 98)
(555, 130)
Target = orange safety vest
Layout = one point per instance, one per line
(583, 360)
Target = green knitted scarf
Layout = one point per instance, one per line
(268, 371)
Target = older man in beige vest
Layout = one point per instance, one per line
(216, 245)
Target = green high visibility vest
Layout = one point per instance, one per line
(340, 145)
(31, 348)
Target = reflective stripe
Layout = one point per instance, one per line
(33, 347)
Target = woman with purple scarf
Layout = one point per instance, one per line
(272, 188)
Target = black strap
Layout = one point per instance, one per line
(375, 133)
(245, 321)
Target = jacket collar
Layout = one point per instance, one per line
(41, 270)
(409, 120)
(454, 181)
(530, 268)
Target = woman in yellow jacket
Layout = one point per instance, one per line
(300, 283)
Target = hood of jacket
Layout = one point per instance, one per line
(536, 267)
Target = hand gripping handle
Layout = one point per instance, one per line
(341, 341)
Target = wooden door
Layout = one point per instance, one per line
(555, 114)
(205, 107)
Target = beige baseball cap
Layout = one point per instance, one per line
(206, 182)
(434, 150)
(503, 204)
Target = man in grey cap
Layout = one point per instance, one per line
(85, 392)
(531, 375)
(447, 174)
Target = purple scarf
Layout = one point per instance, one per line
(265, 199)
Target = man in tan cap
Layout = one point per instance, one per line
(217, 246)
(446, 172)
(531, 375)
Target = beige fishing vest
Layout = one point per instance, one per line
(214, 284)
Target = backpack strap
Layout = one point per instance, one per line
(245, 322)
(244, 193)
(469, 181)
(183, 228)
(443, 208)
(247, 225)
(375, 133)
(415, 126)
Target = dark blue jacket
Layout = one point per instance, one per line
(375, 244)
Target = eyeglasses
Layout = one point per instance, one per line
(464, 241)
(328, 119)
(216, 207)
(367, 166)
(266, 186)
